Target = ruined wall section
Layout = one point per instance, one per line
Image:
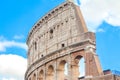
(59, 28)
(60, 37)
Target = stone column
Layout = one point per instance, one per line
(37, 75)
(45, 72)
(73, 69)
(55, 68)
(69, 71)
(92, 64)
(69, 66)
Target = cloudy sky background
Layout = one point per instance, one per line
(18, 17)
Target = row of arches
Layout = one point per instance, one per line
(41, 41)
(62, 72)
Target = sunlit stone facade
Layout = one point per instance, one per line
(61, 37)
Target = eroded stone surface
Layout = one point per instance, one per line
(61, 37)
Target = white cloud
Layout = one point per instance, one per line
(97, 11)
(8, 79)
(7, 44)
(12, 67)
(18, 37)
(100, 30)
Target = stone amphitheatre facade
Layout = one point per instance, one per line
(61, 37)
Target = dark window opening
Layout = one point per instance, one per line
(41, 55)
(66, 21)
(51, 33)
(63, 45)
(57, 26)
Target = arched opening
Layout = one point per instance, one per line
(41, 75)
(50, 73)
(82, 67)
(79, 67)
(62, 70)
(66, 69)
(34, 77)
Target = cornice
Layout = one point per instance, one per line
(46, 17)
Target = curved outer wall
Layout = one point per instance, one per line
(61, 36)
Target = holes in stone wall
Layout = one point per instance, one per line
(57, 27)
(42, 55)
(51, 33)
(63, 45)
(61, 23)
(38, 24)
(66, 21)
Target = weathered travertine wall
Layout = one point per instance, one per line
(60, 26)
(61, 37)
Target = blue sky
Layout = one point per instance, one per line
(18, 17)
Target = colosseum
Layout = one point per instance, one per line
(61, 37)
